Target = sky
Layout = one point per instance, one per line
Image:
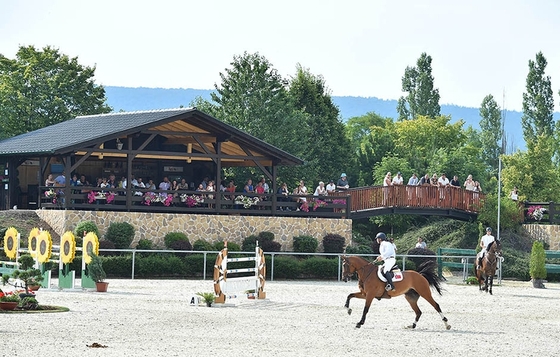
(361, 48)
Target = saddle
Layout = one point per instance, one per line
(395, 270)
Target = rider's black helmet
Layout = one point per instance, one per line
(381, 236)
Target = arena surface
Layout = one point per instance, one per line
(153, 318)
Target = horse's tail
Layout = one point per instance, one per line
(428, 270)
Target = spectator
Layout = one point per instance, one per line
(265, 185)
(165, 185)
(386, 190)
(320, 190)
(413, 180)
(342, 183)
(398, 180)
(443, 181)
(183, 185)
(421, 244)
(331, 187)
(151, 185)
(469, 183)
(514, 195)
(60, 180)
(283, 190)
(455, 182)
(249, 188)
(411, 191)
(49, 181)
(205, 182)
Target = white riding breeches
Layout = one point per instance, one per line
(388, 264)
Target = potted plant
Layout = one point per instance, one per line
(537, 269)
(30, 276)
(97, 273)
(208, 298)
(9, 301)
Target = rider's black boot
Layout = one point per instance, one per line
(389, 277)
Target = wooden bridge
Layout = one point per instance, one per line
(360, 202)
(454, 202)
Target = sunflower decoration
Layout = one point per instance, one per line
(10, 242)
(91, 246)
(67, 247)
(32, 242)
(44, 247)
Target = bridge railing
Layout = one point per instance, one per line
(363, 198)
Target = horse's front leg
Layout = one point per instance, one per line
(491, 282)
(359, 295)
(486, 284)
(369, 299)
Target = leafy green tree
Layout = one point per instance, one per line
(371, 139)
(533, 172)
(491, 131)
(538, 103)
(330, 153)
(43, 87)
(422, 97)
(252, 97)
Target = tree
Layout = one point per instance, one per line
(538, 103)
(422, 98)
(491, 131)
(331, 152)
(252, 97)
(44, 87)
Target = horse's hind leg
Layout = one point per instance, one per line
(427, 294)
(412, 298)
(359, 295)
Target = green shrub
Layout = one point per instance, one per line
(232, 247)
(181, 245)
(120, 233)
(305, 244)
(265, 237)
(419, 260)
(194, 265)
(359, 249)
(144, 244)
(537, 269)
(333, 243)
(319, 267)
(85, 226)
(106, 244)
(172, 237)
(160, 265)
(119, 266)
(270, 246)
(249, 243)
(285, 267)
(201, 245)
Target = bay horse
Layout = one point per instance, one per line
(488, 266)
(413, 285)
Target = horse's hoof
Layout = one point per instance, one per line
(448, 327)
(358, 325)
(349, 311)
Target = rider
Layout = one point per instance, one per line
(485, 240)
(387, 254)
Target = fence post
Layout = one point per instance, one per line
(133, 260)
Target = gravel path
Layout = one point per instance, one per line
(153, 318)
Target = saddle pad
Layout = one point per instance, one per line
(397, 275)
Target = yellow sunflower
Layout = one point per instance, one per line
(32, 242)
(67, 247)
(91, 245)
(10, 242)
(44, 247)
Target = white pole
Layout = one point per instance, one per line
(499, 195)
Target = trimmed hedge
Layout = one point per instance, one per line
(305, 244)
(120, 233)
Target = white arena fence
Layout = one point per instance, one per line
(467, 261)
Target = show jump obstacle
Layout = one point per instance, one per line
(230, 287)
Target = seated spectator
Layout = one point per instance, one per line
(260, 188)
(283, 190)
(151, 185)
(301, 190)
(320, 190)
(331, 187)
(183, 185)
(60, 180)
(49, 181)
(112, 181)
(265, 185)
(165, 184)
(249, 188)
(223, 186)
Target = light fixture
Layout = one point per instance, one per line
(119, 144)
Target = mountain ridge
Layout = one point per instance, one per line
(145, 98)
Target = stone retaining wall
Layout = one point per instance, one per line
(548, 233)
(212, 228)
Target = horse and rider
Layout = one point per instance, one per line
(413, 284)
(487, 261)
